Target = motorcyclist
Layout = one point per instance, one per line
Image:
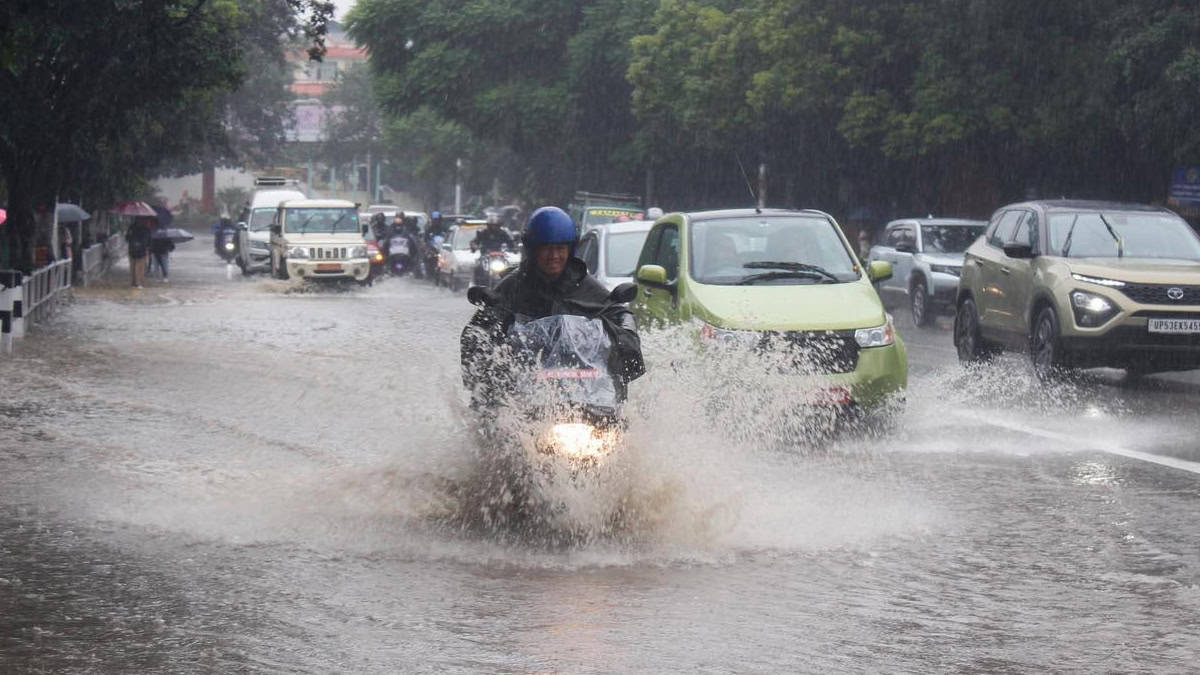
(493, 237)
(437, 225)
(549, 281)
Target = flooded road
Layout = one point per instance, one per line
(230, 475)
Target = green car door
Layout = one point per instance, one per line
(658, 276)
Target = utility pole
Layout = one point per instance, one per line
(762, 185)
(458, 185)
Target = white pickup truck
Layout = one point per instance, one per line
(318, 239)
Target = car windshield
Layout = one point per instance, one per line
(609, 214)
(1112, 234)
(260, 220)
(949, 238)
(780, 249)
(464, 236)
(321, 220)
(621, 253)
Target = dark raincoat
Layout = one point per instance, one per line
(527, 293)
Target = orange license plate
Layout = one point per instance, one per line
(327, 267)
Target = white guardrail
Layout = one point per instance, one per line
(32, 297)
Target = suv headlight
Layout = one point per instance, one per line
(358, 252)
(1099, 281)
(297, 252)
(1091, 310)
(879, 336)
(946, 269)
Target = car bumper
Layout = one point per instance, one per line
(358, 268)
(1127, 340)
(881, 373)
(944, 289)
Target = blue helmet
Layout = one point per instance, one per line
(435, 215)
(550, 225)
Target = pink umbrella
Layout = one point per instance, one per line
(3, 216)
(133, 209)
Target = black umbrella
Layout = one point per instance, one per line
(173, 233)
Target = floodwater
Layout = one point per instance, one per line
(239, 475)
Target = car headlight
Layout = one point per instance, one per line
(297, 252)
(577, 441)
(952, 270)
(724, 336)
(879, 336)
(498, 265)
(1099, 281)
(1090, 309)
(358, 252)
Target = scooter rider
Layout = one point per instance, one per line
(493, 237)
(437, 225)
(549, 281)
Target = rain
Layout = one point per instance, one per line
(231, 464)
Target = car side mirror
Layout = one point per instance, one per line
(1017, 249)
(623, 293)
(241, 225)
(655, 275)
(275, 229)
(365, 229)
(447, 247)
(879, 270)
(481, 296)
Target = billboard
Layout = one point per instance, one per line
(1184, 195)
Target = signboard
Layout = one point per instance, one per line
(309, 122)
(1184, 195)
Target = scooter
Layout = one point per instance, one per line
(401, 255)
(552, 421)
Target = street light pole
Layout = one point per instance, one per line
(458, 185)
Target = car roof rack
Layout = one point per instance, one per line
(274, 181)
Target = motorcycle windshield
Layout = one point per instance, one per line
(572, 356)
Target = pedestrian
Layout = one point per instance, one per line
(160, 248)
(138, 238)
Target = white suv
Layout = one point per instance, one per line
(318, 239)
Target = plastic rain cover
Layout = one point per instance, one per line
(572, 354)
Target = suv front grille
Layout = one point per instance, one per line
(1156, 294)
(328, 253)
(827, 353)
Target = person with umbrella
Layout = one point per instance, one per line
(138, 236)
(160, 248)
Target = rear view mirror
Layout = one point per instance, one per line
(275, 229)
(1016, 249)
(623, 293)
(655, 275)
(879, 270)
(481, 296)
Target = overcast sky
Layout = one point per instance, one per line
(342, 7)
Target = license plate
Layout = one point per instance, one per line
(329, 267)
(1175, 326)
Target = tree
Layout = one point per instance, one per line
(93, 96)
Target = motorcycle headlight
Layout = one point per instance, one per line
(358, 252)
(498, 265)
(297, 252)
(229, 246)
(578, 441)
(1091, 310)
(946, 269)
(879, 336)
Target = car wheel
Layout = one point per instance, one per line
(919, 298)
(967, 337)
(1045, 347)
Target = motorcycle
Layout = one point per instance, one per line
(431, 254)
(554, 434)
(225, 244)
(490, 268)
(401, 255)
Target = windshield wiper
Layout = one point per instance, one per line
(791, 267)
(1070, 233)
(304, 225)
(333, 226)
(1112, 233)
(785, 274)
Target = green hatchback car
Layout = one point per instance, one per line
(774, 279)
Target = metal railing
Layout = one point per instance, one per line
(45, 289)
(98, 260)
